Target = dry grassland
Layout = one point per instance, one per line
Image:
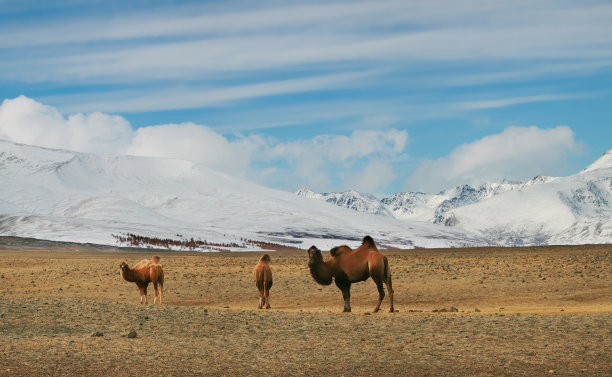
(64, 310)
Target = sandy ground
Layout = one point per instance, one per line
(64, 310)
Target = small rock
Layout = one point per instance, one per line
(477, 310)
(132, 334)
(98, 333)
(453, 309)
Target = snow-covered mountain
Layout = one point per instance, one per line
(354, 200)
(417, 205)
(68, 196)
(545, 210)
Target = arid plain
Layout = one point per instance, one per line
(65, 310)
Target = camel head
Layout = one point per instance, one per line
(265, 258)
(124, 267)
(314, 256)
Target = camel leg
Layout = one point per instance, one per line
(390, 290)
(267, 298)
(381, 295)
(146, 300)
(161, 292)
(143, 293)
(346, 295)
(158, 292)
(261, 299)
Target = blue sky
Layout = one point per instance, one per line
(380, 97)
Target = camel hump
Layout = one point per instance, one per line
(368, 241)
(334, 252)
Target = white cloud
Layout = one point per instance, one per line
(377, 174)
(26, 121)
(504, 102)
(200, 42)
(199, 97)
(517, 153)
(315, 162)
(192, 142)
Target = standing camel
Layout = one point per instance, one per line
(143, 273)
(263, 280)
(347, 266)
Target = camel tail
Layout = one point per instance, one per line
(268, 279)
(368, 241)
(387, 272)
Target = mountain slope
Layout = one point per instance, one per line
(570, 210)
(69, 196)
(545, 210)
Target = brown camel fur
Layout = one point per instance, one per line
(347, 266)
(263, 280)
(145, 272)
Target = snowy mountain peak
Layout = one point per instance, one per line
(544, 210)
(603, 162)
(351, 199)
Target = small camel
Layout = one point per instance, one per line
(145, 272)
(263, 280)
(347, 266)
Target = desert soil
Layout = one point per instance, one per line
(65, 311)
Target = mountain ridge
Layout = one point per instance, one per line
(543, 210)
(62, 195)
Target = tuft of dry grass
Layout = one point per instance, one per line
(64, 310)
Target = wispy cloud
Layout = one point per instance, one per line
(503, 102)
(518, 152)
(196, 42)
(201, 96)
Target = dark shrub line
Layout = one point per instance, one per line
(134, 240)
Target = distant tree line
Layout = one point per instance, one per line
(134, 240)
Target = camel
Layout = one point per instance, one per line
(263, 280)
(347, 266)
(143, 273)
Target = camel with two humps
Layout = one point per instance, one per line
(143, 273)
(263, 280)
(347, 266)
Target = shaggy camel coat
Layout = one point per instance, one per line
(263, 280)
(143, 273)
(347, 266)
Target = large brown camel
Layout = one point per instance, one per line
(145, 272)
(347, 266)
(263, 280)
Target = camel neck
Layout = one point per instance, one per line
(322, 272)
(128, 275)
